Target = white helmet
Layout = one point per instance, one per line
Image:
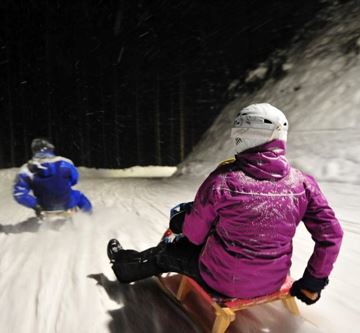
(257, 124)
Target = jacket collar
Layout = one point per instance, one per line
(265, 162)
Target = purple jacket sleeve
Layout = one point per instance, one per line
(325, 230)
(198, 223)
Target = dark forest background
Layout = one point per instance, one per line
(136, 82)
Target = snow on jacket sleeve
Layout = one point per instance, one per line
(198, 223)
(325, 230)
(21, 190)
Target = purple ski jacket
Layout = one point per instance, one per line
(246, 213)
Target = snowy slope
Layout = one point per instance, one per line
(319, 94)
(60, 281)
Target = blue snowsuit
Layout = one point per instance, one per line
(50, 179)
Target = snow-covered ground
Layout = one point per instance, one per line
(61, 281)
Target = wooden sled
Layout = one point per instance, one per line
(55, 219)
(225, 308)
(53, 214)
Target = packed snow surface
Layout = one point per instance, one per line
(59, 280)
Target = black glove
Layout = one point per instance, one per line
(38, 210)
(308, 283)
(177, 216)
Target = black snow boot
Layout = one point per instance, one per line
(113, 249)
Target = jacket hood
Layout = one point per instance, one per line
(265, 162)
(42, 164)
(46, 153)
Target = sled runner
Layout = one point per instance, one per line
(56, 218)
(56, 214)
(224, 308)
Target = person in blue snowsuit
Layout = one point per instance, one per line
(45, 182)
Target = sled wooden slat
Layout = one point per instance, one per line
(225, 308)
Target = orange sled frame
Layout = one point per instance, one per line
(226, 308)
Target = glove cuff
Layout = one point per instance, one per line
(313, 283)
(177, 216)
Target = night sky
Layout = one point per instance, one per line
(121, 83)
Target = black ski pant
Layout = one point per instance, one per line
(180, 257)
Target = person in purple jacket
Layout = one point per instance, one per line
(238, 231)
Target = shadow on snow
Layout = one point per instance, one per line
(143, 307)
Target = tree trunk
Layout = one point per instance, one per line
(80, 128)
(172, 131)
(182, 115)
(138, 126)
(48, 59)
(157, 123)
(10, 106)
(24, 110)
(103, 116)
(118, 154)
(10, 113)
(87, 116)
